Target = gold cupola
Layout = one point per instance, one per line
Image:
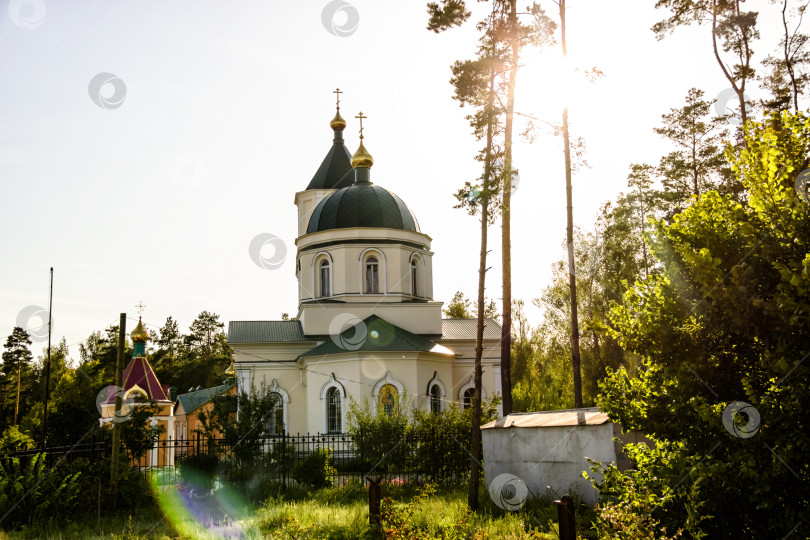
(361, 157)
(140, 334)
(337, 123)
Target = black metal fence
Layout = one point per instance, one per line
(410, 457)
(92, 448)
(434, 456)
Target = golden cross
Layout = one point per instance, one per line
(337, 92)
(360, 116)
(139, 307)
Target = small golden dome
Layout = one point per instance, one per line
(140, 335)
(231, 371)
(338, 122)
(362, 158)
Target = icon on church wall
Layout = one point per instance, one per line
(389, 399)
(267, 251)
(340, 18)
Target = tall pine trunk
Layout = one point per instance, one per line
(569, 234)
(475, 444)
(506, 217)
(739, 89)
(17, 404)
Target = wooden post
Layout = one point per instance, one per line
(119, 381)
(565, 518)
(374, 500)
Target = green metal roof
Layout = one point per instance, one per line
(265, 331)
(468, 328)
(362, 205)
(376, 335)
(192, 401)
(336, 170)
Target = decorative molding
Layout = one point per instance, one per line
(436, 381)
(316, 274)
(333, 382)
(382, 271)
(388, 379)
(275, 388)
(466, 386)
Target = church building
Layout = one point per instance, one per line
(367, 326)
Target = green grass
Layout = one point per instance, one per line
(334, 513)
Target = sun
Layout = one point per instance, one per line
(546, 83)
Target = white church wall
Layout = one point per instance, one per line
(289, 382)
(419, 318)
(306, 201)
(359, 376)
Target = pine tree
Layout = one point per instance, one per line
(16, 367)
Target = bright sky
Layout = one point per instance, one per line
(225, 116)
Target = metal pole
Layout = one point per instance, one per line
(47, 367)
(119, 381)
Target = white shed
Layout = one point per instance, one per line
(550, 449)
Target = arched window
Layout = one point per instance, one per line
(414, 288)
(372, 275)
(276, 416)
(435, 399)
(324, 274)
(333, 412)
(469, 395)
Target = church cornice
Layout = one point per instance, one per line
(370, 242)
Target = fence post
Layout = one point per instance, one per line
(362, 459)
(374, 500)
(565, 517)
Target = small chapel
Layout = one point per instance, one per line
(367, 327)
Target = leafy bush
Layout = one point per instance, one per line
(431, 443)
(376, 435)
(14, 440)
(727, 321)
(29, 492)
(281, 457)
(316, 469)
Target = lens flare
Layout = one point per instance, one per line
(200, 506)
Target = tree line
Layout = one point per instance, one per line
(185, 361)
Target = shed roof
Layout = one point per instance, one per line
(591, 416)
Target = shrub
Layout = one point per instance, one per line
(29, 492)
(14, 440)
(316, 469)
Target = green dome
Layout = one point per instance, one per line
(362, 204)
